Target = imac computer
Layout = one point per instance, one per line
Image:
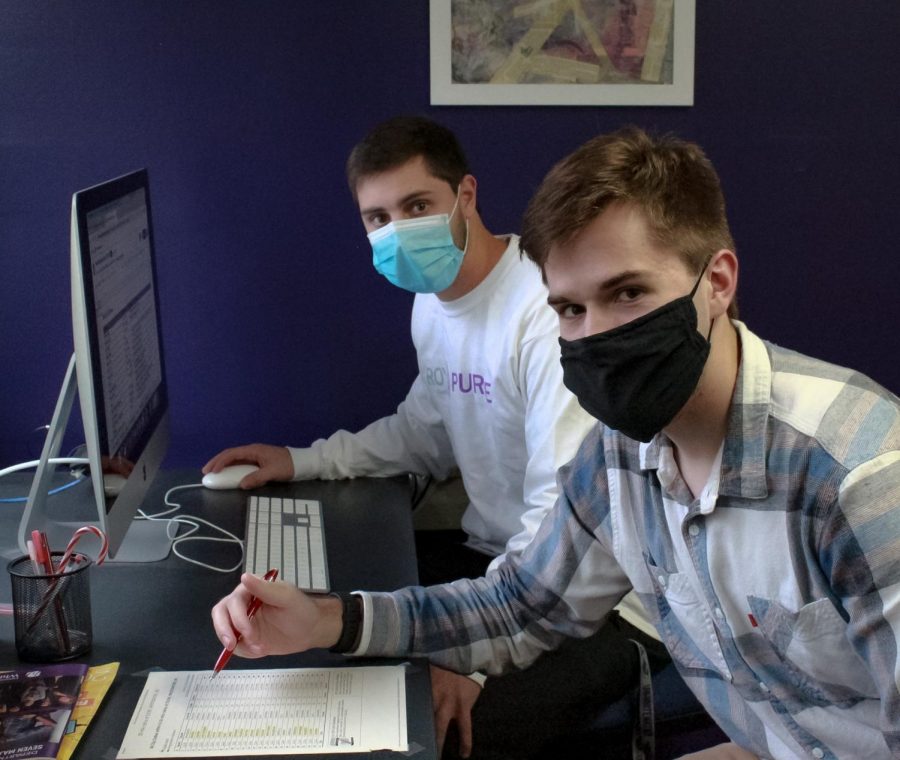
(118, 371)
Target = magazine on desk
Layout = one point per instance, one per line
(93, 688)
(36, 702)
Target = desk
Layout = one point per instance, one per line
(156, 615)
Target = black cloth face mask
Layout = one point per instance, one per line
(636, 377)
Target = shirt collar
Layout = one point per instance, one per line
(743, 469)
(744, 457)
(488, 286)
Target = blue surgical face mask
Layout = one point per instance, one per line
(418, 254)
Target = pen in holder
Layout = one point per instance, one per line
(52, 611)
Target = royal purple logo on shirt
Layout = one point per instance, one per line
(466, 383)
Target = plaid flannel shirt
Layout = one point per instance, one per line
(776, 590)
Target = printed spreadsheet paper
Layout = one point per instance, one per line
(269, 712)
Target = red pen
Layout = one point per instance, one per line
(252, 607)
(45, 559)
(42, 551)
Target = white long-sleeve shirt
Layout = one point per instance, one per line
(488, 399)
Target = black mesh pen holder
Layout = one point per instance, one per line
(52, 611)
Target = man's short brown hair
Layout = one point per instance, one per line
(671, 181)
(403, 138)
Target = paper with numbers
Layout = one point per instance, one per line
(269, 712)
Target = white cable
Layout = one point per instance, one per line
(193, 524)
(36, 462)
(231, 539)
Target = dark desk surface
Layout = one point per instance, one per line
(156, 616)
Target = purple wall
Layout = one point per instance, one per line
(276, 327)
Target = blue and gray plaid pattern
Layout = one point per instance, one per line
(777, 590)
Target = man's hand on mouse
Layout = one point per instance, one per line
(274, 463)
(453, 696)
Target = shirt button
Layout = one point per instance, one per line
(719, 613)
(662, 580)
(818, 752)
(763, 688)
(694, 529)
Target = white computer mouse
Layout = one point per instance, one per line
(228, 477)
(113, 483)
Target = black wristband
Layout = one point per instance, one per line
(351, 617)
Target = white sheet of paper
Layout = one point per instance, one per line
(268, 712)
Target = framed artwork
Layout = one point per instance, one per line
(562, 52)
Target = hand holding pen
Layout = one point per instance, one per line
(252, 608)
(288, 621)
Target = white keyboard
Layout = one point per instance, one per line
(287, 534)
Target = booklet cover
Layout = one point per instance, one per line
(94, 687)
(36, 702)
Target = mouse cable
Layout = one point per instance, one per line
(192, 522)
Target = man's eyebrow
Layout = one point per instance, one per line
(409, 197)
(610, 284)
(621, 279)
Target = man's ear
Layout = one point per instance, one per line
(722, 273)
(468, 195)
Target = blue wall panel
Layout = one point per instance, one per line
(276, 326)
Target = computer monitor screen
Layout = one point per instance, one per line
(120, 323)
(118, 362)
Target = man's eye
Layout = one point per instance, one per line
(570, 310)
(419, 207)
(378, 220)
(629, 294)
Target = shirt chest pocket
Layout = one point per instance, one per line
(684, 622)
(808, 651)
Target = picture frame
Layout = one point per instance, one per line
(562, 52)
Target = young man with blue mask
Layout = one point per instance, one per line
(749, 495)
(489, 401)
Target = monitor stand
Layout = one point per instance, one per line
(144, 541)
